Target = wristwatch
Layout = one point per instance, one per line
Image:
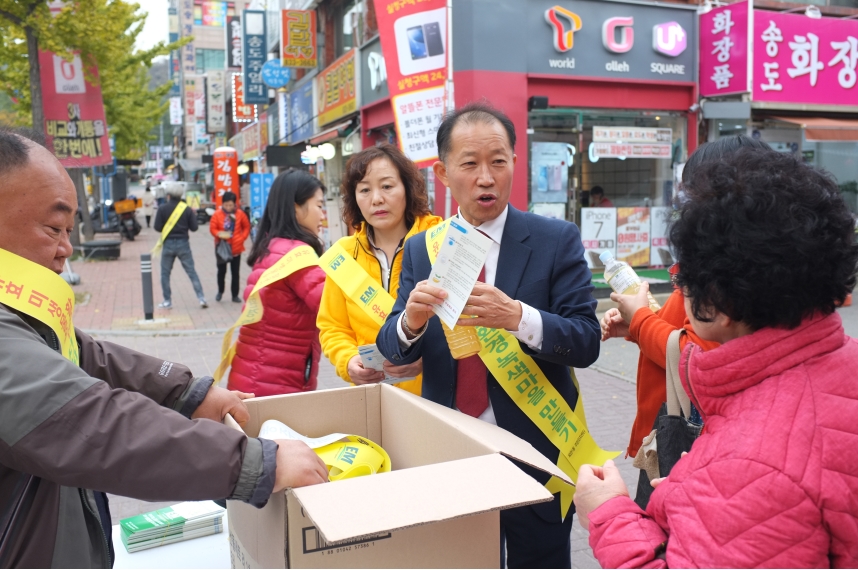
(408, 330)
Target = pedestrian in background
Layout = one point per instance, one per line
(597, 198)
(280, 353)
(230, 225)
(634, 320)
(766, 253)
(384, 199)
(177, 244)
(148, 203)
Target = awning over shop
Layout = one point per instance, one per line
(337, 131)
(821, 130)
(189, 165)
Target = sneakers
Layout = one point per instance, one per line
(218, 297)
(203, 304)
(165, 305)
(237, 300)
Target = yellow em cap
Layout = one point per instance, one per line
(354, 458)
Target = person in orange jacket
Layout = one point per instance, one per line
(229, 224)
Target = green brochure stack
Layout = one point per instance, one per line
(172, 524)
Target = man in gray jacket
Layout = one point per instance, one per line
(120, 422)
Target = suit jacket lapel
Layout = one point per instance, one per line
(514, 254)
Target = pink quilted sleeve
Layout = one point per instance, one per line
(623, 536)
(308, 284)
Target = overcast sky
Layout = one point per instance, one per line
(157, 26)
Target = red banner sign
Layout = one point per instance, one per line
(241, 111)
(298, 30)
(414, 44)
(226, 175)
(74, 113)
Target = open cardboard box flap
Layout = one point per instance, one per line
(364, 506)
(491, 436)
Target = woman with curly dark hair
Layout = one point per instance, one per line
(384, 199)
(766, 251)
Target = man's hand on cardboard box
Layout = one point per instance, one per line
(298, 465)
(219, 402)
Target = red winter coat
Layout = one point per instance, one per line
(271, 356)
(239, 234)
(773, 480)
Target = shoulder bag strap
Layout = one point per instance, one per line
(677, 399)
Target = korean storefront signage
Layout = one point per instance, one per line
(301, 113)
(241, 111)
(253, 50)
(633, 236)
(725, 50)
(337, 90)
(233, 42)
(74, 113)
(598, 233)
(593, 38)
(275, 75)
(628, 150)
(795, 59)
(260, 187)
(298, 32)
(175, 110)
(216, 101)
(189, 84)
(188, 53)
(251, 142)
(632, 135)
(225, 174)
(414, 44)
(803, 60)
(373, 73)
(175, 58)
(212, 13)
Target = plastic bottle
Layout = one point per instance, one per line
(623, 279)
(463, 341)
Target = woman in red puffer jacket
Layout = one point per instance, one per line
(280, 353)
(766, 252)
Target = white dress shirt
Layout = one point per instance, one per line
(529, 327)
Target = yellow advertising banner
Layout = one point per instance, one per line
(337, 90)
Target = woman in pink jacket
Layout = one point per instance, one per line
(280, 353)
(766, 252)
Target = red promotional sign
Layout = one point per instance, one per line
(74, 113)
(414, 44)
(226, 174)
(724, 52)
(241, 111)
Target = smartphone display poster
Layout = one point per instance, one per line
(660, 254)
(549, 177)
(414, 44)
(598, 234)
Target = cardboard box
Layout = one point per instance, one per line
(438, 507)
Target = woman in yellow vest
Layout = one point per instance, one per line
(385, 201)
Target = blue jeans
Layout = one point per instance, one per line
(180, 248)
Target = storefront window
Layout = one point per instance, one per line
(629, 155)
(841, 160)
(210, 59)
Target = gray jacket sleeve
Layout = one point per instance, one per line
(59, 423)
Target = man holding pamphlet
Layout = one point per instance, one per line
(532, 311)
(80, 418)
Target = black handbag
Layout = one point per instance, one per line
(672, 434)
(223, 251)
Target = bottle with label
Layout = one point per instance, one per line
(463, 341)
(623, 279)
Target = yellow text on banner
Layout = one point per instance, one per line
(357, 284)
(42, 294)
(297, 259)
(168, 227)
(522, 379)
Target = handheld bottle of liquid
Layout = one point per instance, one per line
(463, 341)
(623, 279)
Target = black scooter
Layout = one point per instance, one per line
(125, 224)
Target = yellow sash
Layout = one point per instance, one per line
(42, 294)
(521, 378)
(357, 284)
(168, 227)
(299, 258)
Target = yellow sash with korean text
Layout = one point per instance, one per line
(41, 294)
(297, 259)
(168, 227)
(357, 284)
(521, 378)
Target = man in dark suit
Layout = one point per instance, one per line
(536, 286)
